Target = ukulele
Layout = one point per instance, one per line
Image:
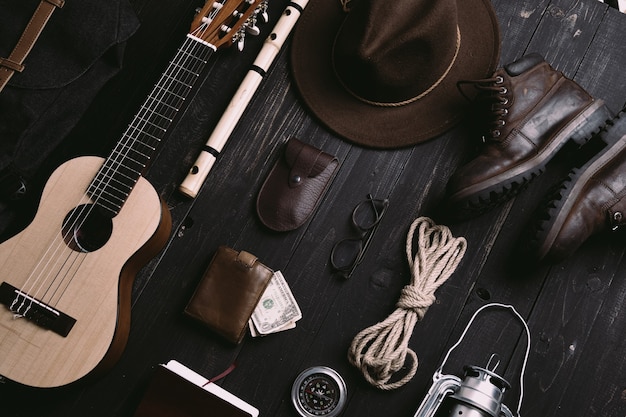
(67, 277)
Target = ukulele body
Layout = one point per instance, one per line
(88, 282)
(64, 290)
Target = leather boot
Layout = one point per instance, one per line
(590, 200)
(532, 110)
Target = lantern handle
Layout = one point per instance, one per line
(523, 370)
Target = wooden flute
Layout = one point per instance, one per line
(200, 170)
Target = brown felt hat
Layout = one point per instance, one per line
(383, 73)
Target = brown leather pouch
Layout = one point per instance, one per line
(228, 292)
(295, 186)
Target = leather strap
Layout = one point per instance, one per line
(14, 63)
(246, 259)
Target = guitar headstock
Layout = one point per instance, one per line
(224, 22)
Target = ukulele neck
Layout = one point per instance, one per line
(121, 170)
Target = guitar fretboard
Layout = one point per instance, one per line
(121, 170)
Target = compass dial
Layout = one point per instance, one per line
(319, 391)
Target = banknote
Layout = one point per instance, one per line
(254, 332)
(277, 309)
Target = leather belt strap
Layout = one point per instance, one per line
(14, 63)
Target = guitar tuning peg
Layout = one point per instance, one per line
(240, 43)
(265, 17)
(253, 30)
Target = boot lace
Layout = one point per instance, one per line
(492, 99)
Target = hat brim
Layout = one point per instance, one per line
(389, 127)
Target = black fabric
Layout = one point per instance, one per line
(80, 48)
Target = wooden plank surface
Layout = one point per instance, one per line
(574, 309)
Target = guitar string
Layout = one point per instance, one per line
(69, 263)
(156, 101)
(163, 91)
(201, 62)
(28, 288)
(81, 215)
(106, 176)
(174, 79)
(142, 124)
(136, 130)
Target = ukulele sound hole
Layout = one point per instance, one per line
(86, 229)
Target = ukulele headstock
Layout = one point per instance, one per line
(221, 23)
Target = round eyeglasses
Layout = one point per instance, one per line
(348, 253)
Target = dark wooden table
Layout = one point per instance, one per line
(574, 308)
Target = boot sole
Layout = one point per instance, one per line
(488, 194)
(559, 207)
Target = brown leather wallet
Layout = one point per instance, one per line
(295, 186)
(228, 292)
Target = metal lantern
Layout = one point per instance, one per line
(480, 392)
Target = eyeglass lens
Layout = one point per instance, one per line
(368, 213)
(348, 252)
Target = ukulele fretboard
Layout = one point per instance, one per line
(121, 170)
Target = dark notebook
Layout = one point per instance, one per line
(177, 391)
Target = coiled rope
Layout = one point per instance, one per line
(380, 351)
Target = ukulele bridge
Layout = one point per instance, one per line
(40, 313)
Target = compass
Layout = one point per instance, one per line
(319, 391)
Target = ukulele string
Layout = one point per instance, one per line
(108, 174)
(36, 277)
(200, 55)
(135, 130)
(131, 137)
(142, 123)
(67, 265)
(201, 29)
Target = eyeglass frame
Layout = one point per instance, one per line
(366, 235)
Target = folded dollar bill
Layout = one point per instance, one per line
(277, 309)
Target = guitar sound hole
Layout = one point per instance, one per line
(86, 229)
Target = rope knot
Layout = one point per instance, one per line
(413, 298)
(380, 351)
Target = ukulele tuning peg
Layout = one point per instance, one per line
(253, 30)
(240, 43)
(262, 11)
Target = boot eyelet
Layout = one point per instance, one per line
(502, 123)
(617, 216)
(496, 133)
(503, 90)
(499, 79)
(504, 101)
(617, 219)
(505, 112)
